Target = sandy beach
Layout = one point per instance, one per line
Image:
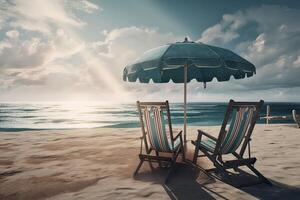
(98, 164)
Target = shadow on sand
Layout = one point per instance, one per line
(249, 183)
(190, 182)
(185, 181)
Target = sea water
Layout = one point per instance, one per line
(67, 115)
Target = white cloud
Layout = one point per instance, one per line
(18, 53)
(45, 64)
(40, 62)
(47, 61)
(297, 62)
(217, 34)
(85, 6)
(123, 45)
(225, 31)
(274, 48)
(41, 16)
(3, 16)
(59, 63)
(35, 52)
(12, 34)
(259, 43)
(64, 45)
(3, 45)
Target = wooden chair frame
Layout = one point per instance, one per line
(296, 118)
(147, 156)
(216, 156)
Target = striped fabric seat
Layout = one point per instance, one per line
(240, 117)
(155, 126)
(239, 125)
(208, 144)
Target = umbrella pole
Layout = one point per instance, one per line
(185, 117)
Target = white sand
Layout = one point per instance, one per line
(98, 164)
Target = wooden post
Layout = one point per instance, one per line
(185, 115)
(268, 114)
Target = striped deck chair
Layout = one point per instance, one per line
(154, 118)
(232, 141)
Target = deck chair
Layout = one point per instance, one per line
(296, 118)
(234, 141)
(154, 117)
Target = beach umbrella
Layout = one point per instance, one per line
(184, 61)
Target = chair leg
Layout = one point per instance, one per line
(139, 166)
(182, 149)
(159, 163)
(260, 176)
(183, 153)
(150, 165)
(196, 154)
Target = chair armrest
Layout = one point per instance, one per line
(178, 135)
(200, 132)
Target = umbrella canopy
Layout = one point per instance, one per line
(205, 62)
(182, 62)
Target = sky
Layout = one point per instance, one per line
(62, 50)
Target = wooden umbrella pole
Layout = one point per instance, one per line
(185, 117)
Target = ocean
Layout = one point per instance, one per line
(66, 115)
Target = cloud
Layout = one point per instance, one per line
(123, 45)
(23, 53)
(33, 52)
(85, 6)
(296, 63)
(12, 34)
(41, 16)
(225, 31)
(273, 48)
(44, 58)
(217, 34)
(64, 63)
(36, 52)
(3, 15)
(43, 52)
